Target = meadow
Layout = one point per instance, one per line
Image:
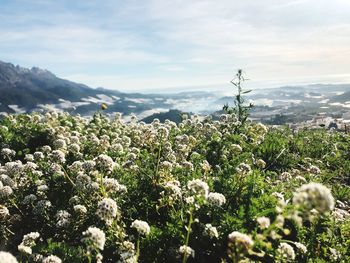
(74, 189)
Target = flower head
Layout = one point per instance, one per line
(216, 199)
(210, 231)
(6, 257)
(107, 210)
(286, 251)
(314, 196)
(142, 227)
(198, 187)
(240, 240)
(94, 238)
(52, 259)
(187, 251)
(264, 222)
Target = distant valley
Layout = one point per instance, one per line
(26, 90)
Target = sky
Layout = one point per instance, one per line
(166, 46)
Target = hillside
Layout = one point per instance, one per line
(27, 90)
(76, 189)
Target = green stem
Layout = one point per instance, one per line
(138, 248)
(156, 180)
(102, 186)
(184, 259)
(67, 176)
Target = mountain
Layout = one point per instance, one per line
(28, 88)
(25, 90)
(35, 89)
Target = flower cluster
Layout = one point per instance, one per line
(28, 242)
(141, 227)
(82, 181)
(94, 238)
(314, 196)
(107, 210)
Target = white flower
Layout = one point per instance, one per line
(6, 257)
(8, 152)
(198, 187)
(88, 165)
(6, 180)
(241, 240)
(4, 212)
(334, 255)
(6, 191)
(94, 238)
(29, 199)
(314, 196)
(264, 222)
(29, 157)
(127, 253)
(29, 239)
(173, 189)
(107, 210)
(43, 188)
(63, 218)
(261, 128)
(80, 209)
(243, 169)
(142, 227)
(14, 168)
(205, 166)
(166, 165)
(41, 207)
(52, 259)
(314, 169)
(82, 181)
(187, 165)
(99, 258)
(285, 177)
(216, 199)
(279, 222)
(186, 250)
(37, 257)
(301, 247)
(300, 178)
(104, 162)
(76, 166)
(60, 144)
(286, 251)
(74, 148)
(236, 148)
(279, 196)
(111, 184)
(210, 231)
(189, 200)
(24, 249)
(261, 163)
(39, 155)
(58, 156)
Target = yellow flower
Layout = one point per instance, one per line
(104, 106)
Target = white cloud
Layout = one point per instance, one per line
(156, 43)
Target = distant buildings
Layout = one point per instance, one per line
(328, 122)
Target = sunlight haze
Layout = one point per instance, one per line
(179, 45)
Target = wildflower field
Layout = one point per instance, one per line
(100, 190)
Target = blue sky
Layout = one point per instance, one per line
(180, 44)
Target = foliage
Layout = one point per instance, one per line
(102, 190)
(240, 109)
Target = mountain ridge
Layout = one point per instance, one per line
(35, 89)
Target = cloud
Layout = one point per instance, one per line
(156, 43)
